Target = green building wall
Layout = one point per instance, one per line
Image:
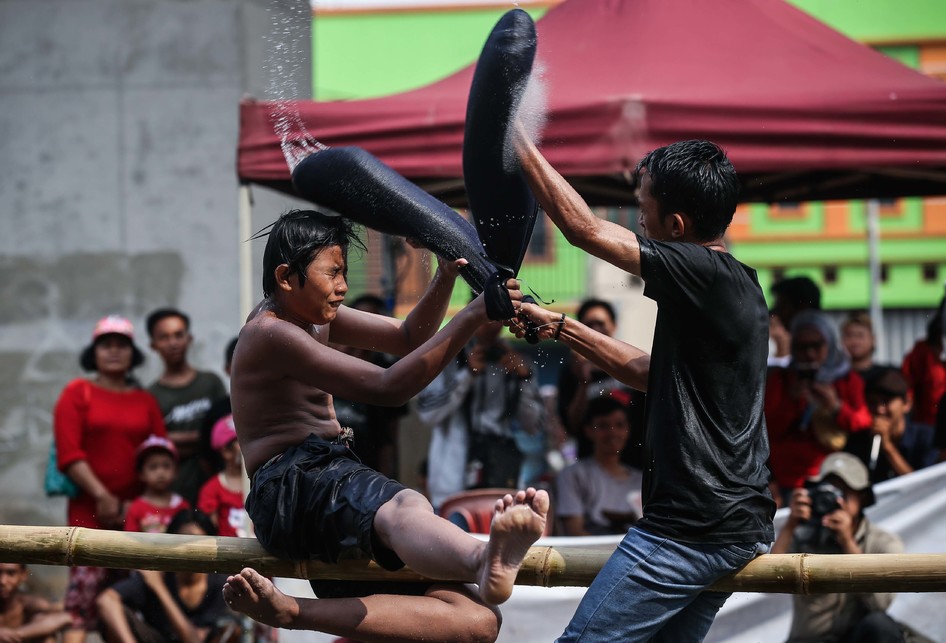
(363, 55)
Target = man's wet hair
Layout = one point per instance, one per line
(697, 179)
(163, 313)
(297, 238)
(589, 304)
(803, 292)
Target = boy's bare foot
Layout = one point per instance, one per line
(256, 596)
(517, 523)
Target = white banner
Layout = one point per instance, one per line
(911, 506)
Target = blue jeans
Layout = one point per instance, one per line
(651, 589)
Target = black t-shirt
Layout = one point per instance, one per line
(208, 614)
(705, 479)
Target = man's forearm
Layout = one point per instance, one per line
(558, 198)
(608, 241)
(627, 364)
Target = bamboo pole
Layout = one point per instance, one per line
(543, 566)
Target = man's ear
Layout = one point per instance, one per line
(678, 224)
(908, 402)
(282, 277)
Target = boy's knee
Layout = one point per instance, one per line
(484, 624)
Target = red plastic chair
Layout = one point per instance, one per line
(475, 508)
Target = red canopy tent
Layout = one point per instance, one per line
(804, 112)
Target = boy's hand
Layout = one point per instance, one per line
(450, 268)
(502, 300)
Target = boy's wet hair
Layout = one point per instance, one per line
(297, 238)
(697, 179)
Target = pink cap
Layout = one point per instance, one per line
(223, 433)
(154, 443)
(113, 325)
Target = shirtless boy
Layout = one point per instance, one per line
(310, 498)
(23, 617)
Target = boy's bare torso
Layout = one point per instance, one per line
(272, 409)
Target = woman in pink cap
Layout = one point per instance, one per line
(98, 424)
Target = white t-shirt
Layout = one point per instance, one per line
(585, 489)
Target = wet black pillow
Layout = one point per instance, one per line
(500, 200)
(358, 186)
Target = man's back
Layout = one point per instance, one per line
(705, 422)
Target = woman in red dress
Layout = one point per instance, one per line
(98, 424)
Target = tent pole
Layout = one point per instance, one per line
(245, 219)
(876, 306)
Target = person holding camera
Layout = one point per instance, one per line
(827, 517)
(813, 404)
(482, 409)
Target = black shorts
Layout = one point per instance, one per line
(318, 502)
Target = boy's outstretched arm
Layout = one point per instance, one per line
(568, 211)
(359, 381)
(360, 329)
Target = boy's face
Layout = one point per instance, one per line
(12, 575)
(171, 339)
(157, 471)
(324, 289)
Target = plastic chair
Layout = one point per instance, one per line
(472, 510)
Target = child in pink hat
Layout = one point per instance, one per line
(156, 462)
(221, 497)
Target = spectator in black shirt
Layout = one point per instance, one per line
(894, 446)
(707, 508)
(170, 606)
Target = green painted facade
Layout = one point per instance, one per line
(879, 21)
(364, 55)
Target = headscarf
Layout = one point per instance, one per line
(836, 365)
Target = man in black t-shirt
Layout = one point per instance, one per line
(707, 509)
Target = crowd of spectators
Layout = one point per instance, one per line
(132, 455)
(166, 457)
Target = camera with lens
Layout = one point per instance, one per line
(825, 499)
(812, 536)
